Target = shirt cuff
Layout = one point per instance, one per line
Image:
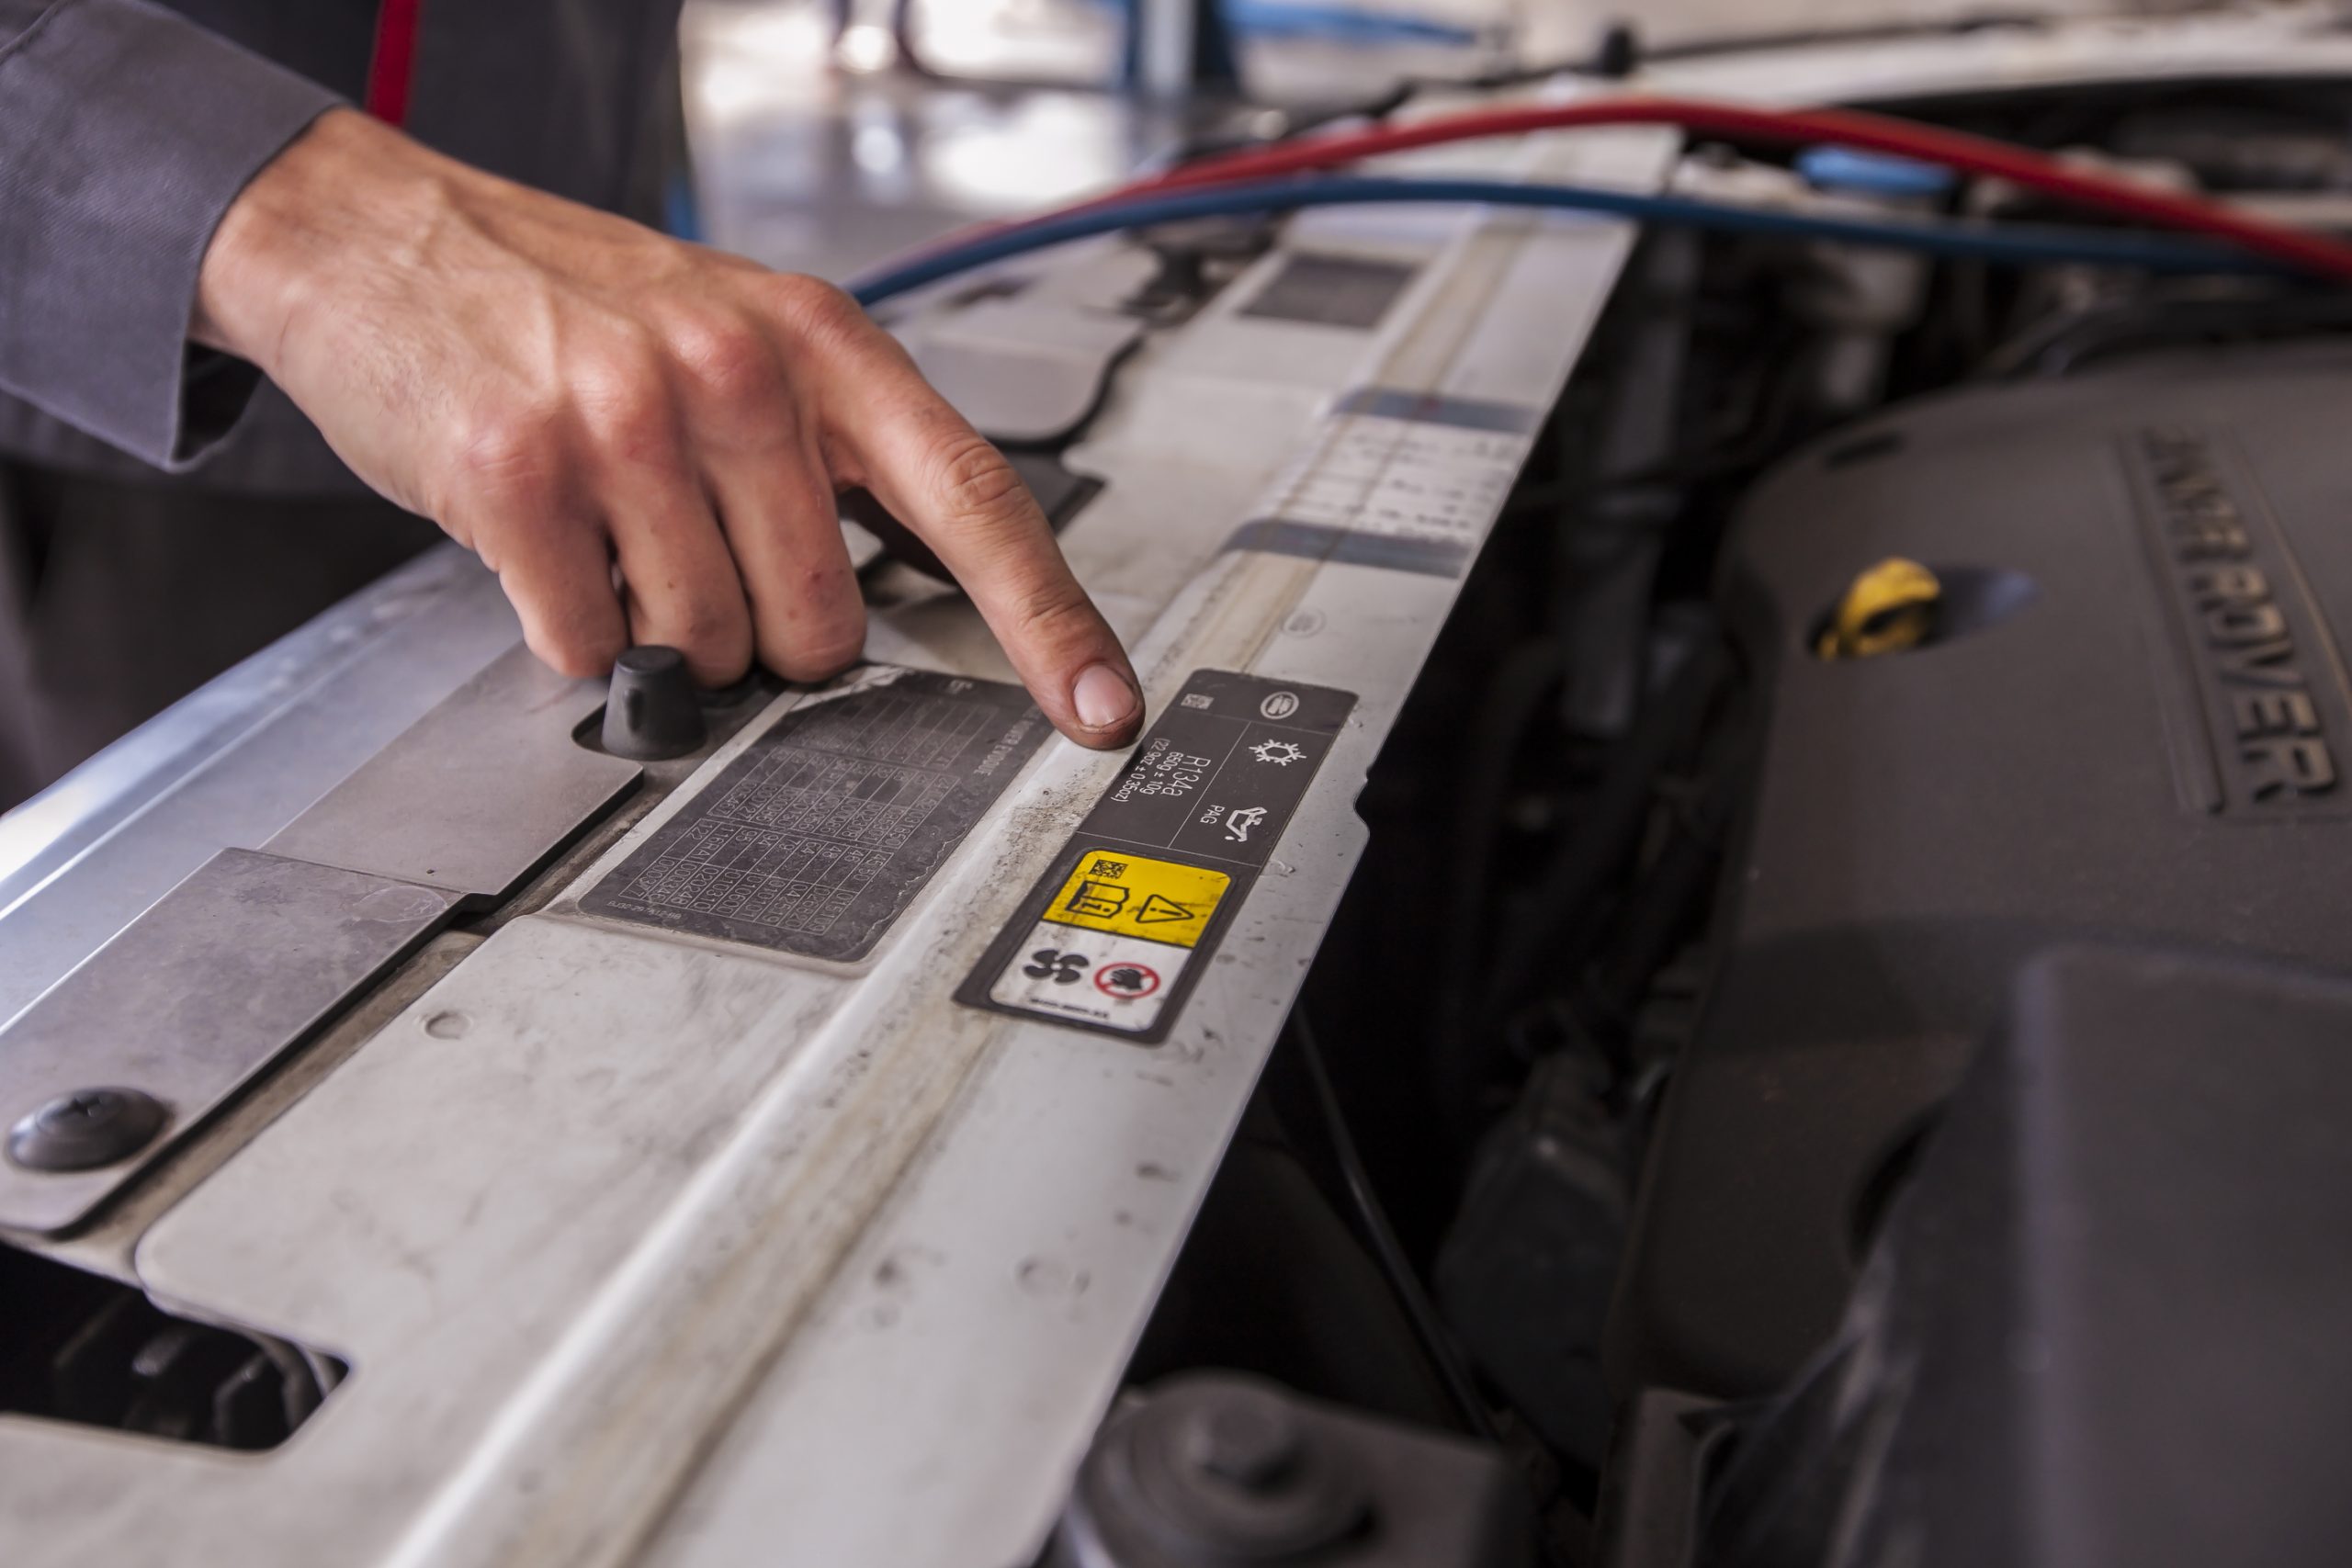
(126, 131)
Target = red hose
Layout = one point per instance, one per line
(1875, 133)
(391, 68)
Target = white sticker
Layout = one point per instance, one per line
(1399, 479)
(1395, 479)
(1116, 982)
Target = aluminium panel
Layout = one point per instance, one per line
(477, 794)
(235, 761)
(196, 995)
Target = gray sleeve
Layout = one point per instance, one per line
(125, 133)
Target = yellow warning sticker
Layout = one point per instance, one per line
(1129, 895)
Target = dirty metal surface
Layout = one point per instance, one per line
(476, 794)
(235, 761)
(197, 994)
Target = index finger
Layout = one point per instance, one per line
(943, 478)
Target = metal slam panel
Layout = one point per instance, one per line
(475, 794)
(227, 970)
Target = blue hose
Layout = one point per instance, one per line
(1293, 18)
(1321, 18)
(2006, 244)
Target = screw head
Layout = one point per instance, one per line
(86, 1129)
(1253, 1443)
(1218, 1466)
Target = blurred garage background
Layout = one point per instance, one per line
(829, 133)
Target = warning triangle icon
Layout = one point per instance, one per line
(1157, 910)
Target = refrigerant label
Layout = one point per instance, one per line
(1395, 479)
(816, 837)
(1114, 935)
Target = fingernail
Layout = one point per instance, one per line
(1103, 698)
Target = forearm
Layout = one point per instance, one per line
(126, 133)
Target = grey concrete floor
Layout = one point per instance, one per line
(808, 165)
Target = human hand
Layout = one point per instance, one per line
(581, 400)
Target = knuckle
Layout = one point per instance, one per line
(818, 310)
(706, 630)
(527, 533)
(730, 361)
(828, 633)
(695, 619)
(980, 488)
(1056, 613)
(628, 413)
(508, 457)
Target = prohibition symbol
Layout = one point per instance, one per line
(1126, 982)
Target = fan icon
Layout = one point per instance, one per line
(1282, 753)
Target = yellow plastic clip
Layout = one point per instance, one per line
(1887, 608)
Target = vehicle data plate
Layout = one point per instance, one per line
(816, 837)
(1117, 930)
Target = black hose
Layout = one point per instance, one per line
(1605, 838)
(1492, 740)
(1380, 1239)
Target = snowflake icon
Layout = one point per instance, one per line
(1282, 753)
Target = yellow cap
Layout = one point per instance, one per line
(1887, 608)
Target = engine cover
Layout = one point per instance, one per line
(2134, 728)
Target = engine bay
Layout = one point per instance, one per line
(1679, 931)
(1723, 927)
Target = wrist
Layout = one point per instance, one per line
(293, 230)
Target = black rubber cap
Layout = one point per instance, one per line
(86, 1129)
(653, 711)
